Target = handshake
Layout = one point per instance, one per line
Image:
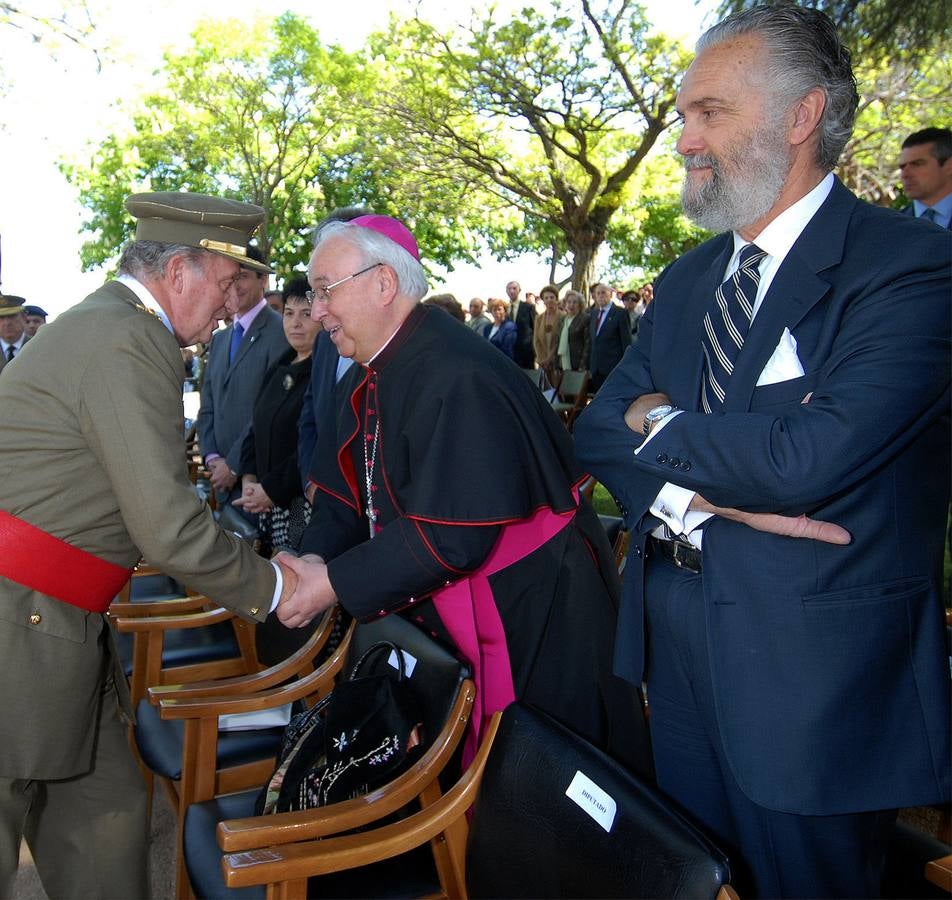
(307, 590)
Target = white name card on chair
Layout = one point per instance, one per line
(277, 717)
(593, 800)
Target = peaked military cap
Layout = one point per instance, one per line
(196, 220)
(10, 305)
(35, 311)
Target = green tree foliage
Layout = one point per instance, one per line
(897, 97)
(548, 115)
(264, 112)
(247, 112)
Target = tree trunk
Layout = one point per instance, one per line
(583, 264)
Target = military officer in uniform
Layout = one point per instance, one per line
(93, 429)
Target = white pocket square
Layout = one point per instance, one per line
(784, 364)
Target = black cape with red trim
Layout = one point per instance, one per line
(467, 444)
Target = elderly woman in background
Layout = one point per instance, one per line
(271, 483)
(574, 336)
(545, 335)
(501, 332)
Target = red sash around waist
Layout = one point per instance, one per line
(37, 560)
(469, 613)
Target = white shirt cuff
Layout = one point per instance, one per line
(278, 587)
(671, 504)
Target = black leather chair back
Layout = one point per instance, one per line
(528, 839)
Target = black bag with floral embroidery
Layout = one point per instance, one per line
(365, 733)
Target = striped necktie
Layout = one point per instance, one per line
(726, 325)
(11, 352)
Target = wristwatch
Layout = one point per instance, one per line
(656, 414)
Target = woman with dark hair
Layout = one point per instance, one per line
(271, 482)
(501, 332)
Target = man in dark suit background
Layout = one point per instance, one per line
(925, 166)
(13, 333)
(238, 359)
(610, 332)
(523, 314)
(787, 544)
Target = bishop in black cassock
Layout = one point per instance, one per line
(447, 493)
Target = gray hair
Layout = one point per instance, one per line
(803, 53)
(377, 248)
(149, 258)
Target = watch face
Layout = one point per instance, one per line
(659, 412)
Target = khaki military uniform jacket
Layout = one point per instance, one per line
(91, 451)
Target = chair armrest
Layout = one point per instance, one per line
(207, 706)
(299, 861)
(939, 872)
(266, 678)
(166, 623)
(284, 828)
(158, 607)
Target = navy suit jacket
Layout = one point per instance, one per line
(828, 663)
(609, 342)
(318, 401)
(504, 339)
(229, 391)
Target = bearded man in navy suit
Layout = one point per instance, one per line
(778, 441)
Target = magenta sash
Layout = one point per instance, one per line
(469, 613)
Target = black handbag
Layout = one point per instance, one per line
(365, 733)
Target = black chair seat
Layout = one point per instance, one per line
(528, 839)
(159, 742)
(410, 875)
(187, 646)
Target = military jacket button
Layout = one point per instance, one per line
(35, 619)
(254, 610)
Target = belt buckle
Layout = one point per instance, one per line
(680, 553)
(677, 547)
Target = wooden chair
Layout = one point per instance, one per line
(527, 837)
(446, 694)
(177, 734)
(180, 641)
(572, 396)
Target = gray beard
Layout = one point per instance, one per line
(742, 189)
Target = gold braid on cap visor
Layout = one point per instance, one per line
(223, 247)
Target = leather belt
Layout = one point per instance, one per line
(681, 553)
(43, 563)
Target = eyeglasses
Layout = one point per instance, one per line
(226, 284)
(323, 294)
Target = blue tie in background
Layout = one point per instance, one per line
(237, 332)
(726, 325)
(929, 214)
